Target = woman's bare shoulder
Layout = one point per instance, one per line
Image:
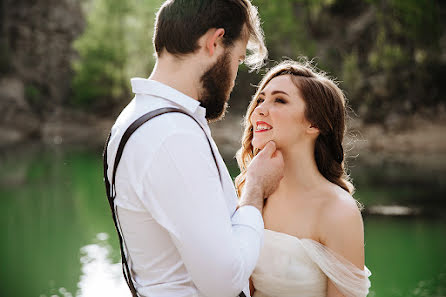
(339, 206)
(341, 226)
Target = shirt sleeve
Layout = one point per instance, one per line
(185, 196)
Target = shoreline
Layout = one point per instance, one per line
(417, 135)
(372, 146)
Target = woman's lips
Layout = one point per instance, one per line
(264, 127)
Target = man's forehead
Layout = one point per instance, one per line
(241, 46)
(245, 35)
(238, 50)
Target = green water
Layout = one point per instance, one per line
(59, 239)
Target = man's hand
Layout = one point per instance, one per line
(263, 176)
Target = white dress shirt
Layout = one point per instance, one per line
(182, 233)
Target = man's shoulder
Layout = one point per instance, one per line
(170, 130)
(158, 127)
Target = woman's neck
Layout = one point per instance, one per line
(301, 173)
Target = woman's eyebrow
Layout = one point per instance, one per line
(274, 92)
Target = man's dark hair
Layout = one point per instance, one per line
(180, 23)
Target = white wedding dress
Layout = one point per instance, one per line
(293, 267)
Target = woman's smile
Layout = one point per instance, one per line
(262, 127)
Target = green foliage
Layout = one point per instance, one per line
(386, 54)
(286, 35)
(116, 45)
(405, 54)
(404, 26)
(351, 74)
(102, 51)
(417, 20)
(139, 26)
(33, 95)
(399, 37)
(315, 7)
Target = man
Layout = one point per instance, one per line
(184, 234)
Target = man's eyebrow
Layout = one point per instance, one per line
(274, 93)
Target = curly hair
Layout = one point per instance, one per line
(325, 108)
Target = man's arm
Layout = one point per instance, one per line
(184, 195)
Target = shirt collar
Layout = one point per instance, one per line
(155, 88)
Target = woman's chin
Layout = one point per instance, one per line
(258, 144)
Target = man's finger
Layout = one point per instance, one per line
(269, 148)
(277, 154)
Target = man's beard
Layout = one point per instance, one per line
(216, 89)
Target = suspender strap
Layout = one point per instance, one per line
(136, 124)
(125, 266)
(111, 188)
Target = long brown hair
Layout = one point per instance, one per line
(325, 108)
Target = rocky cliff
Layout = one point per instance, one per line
(35, 64)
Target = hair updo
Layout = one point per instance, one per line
(325, 108)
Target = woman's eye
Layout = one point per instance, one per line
(260, 100)
(280, 100)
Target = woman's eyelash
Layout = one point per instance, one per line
(279, 100)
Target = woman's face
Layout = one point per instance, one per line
(279, 115)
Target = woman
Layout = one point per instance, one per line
(314, 237)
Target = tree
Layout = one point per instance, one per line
(100, 69)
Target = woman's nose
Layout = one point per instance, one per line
(262, 110)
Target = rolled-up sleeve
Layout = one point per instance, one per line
(185, 196)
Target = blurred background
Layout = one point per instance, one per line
(65, 69)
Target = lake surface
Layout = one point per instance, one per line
(59, 238)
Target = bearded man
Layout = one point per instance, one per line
(184, 232)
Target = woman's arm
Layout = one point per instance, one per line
(342, 231)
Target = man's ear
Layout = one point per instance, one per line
(214, 38)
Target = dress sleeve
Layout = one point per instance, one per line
(348, 279)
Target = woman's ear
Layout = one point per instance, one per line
(214, 39)
(313, 130)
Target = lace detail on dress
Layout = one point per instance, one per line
(289, 266)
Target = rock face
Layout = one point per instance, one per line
(17, 121)
(35, 68)
(39, 36)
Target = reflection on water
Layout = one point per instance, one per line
(100, 277)
(60, 239)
